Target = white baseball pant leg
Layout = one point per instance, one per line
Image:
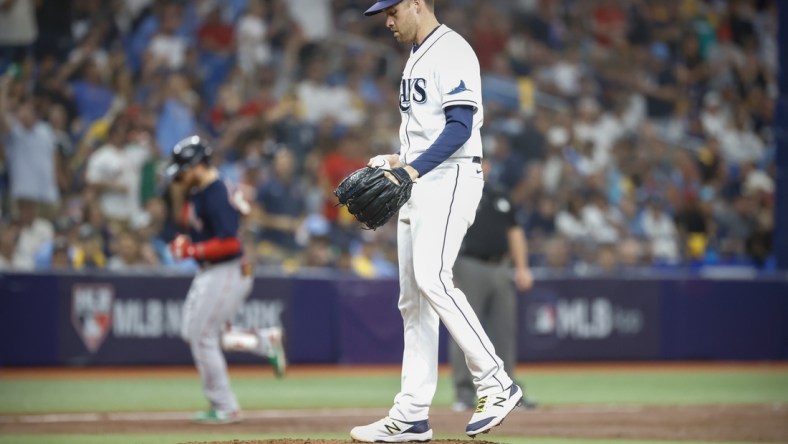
(213, 299)
(431, 229)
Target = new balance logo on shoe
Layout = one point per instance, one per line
(391, 428)
(489, 415)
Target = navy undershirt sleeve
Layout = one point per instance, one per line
(459, 123)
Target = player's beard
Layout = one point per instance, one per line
(401, 38)
(402, 35)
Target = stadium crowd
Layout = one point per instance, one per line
(630, 134)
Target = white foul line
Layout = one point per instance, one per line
(181, 416)
(276, 414)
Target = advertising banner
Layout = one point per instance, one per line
(590, 319)
(122, 320)
(109, 319)
(370, 325)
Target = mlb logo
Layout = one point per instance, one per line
(91, 313)
(542, 317)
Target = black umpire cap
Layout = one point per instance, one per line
(186, 154)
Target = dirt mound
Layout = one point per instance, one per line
(740, 423)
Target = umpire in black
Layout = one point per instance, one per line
(494, 246)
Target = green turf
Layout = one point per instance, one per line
(142, 394)
(675, 387)
(173, 439)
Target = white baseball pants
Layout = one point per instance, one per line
(431, 229)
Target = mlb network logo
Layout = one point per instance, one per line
(583, 318)
(91, 313)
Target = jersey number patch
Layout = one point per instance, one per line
(412, 89)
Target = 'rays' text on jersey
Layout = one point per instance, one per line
(412, 89)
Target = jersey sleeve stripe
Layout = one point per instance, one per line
(460, 102)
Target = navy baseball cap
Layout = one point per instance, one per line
(380, 6)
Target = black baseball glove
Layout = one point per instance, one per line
(372, 197)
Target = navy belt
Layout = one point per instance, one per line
(206, 263)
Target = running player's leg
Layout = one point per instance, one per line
(212, 301)
(420, 322)
(443, 207)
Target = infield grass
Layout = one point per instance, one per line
(22, 394)
(53, 395)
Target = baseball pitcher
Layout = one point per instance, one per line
(440, 149)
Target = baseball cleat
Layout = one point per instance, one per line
(393, 430)
(216, 417)
(240, 341)
(276, 352)
(492, 410)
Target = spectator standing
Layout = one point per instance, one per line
(30, 149)
(87, 74)
(18, 30)
(313, 17)
(176, 118)
(253, 49)
(216, 47)
(114, 173)
(659, 84)
(281, 202)
(167, 49)
(321, 99)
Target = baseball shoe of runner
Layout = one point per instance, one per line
(265, 342)
(492, 410)
(216, 417)
(276, 350)
(393, 430)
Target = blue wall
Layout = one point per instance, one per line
(122, 320)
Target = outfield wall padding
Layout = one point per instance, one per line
(107, 319)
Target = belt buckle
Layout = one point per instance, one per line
(246, 269)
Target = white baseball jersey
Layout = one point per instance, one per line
(442, 72)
